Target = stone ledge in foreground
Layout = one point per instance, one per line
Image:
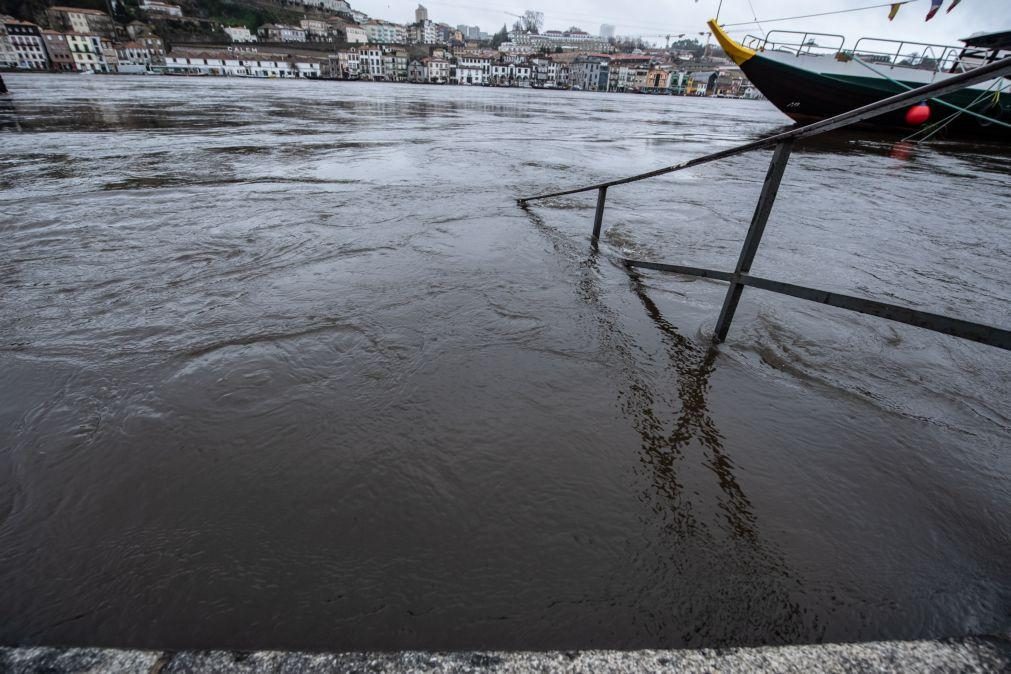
(971, 654)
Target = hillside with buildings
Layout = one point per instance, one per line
(329, 39)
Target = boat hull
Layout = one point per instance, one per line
(810, 87)
(806, 96)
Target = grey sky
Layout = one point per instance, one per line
(659, 17)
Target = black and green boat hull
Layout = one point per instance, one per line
(806, 96)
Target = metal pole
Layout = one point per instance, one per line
(754, 237)
(598, 218)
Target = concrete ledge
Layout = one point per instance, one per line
(957, 655)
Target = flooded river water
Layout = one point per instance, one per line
(284, 365)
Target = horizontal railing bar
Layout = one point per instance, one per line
(976, 332)
(934, 89)
(680, 269)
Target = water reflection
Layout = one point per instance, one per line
(8, 114)
(693, 364)
(752, 596)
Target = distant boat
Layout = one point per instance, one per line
(811, 76)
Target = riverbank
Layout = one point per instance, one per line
(973, 654)
(288, 67)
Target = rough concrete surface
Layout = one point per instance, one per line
(956, 655)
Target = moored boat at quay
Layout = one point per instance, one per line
(811, 76)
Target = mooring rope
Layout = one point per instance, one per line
(940, 101)
(934, 128)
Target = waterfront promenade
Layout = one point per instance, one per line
(955, 656)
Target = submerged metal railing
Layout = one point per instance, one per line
(783, 143)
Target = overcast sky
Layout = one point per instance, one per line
(659, 17)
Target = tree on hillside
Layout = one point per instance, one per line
(500, 37)
(627, 44)
(689, 44)
(532, 21)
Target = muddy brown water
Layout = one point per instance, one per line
(285, 366)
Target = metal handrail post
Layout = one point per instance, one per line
(598, 217)
(754, 237)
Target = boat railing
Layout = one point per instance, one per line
(797, 43)
(918, 55)
(783, 143)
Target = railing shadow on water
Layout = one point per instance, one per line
(782, 144)
(677, 434)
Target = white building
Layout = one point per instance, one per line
(518, 49)
(240, 65)
(606, 31)
(315, 29)
(470, 32)
(154, 46)
(26, 45)
(355, 34)
(308, 70)
(272, 32)
(567, 40)
(431, 70)
(370, 63)
(336, 6)
(437, 69)
(110, 55)
(385, 32)
(88, 52)
(345, 64)
(239, 34)
(156, 7)
(543, 72)
(395, 65)
(423, 32)
(563, 75)
(470, 70)
(78, 20)
(8, 57)
(416, 71)
(512, 74)
(135, 54)
(590, 73)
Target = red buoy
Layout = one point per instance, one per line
(918, 114)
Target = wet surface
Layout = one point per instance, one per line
(285, 366)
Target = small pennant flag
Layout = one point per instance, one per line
(952, 6)
(894, 10)
(934, 6)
